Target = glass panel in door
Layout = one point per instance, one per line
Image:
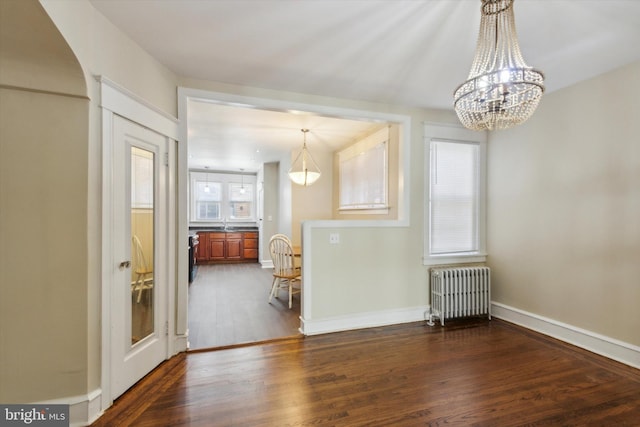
(142, 243)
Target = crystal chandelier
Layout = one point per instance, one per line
(304, 170)
(502, 90)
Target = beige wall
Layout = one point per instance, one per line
(271, 208)
(103, 50)
(549, 257)
(564, 208)
(50, 189)
(314, 201)
(43, 203)
(43, 246)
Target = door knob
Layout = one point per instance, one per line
(124, 264)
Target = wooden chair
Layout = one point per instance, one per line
(285, 274)
(141, 269)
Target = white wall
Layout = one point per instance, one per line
(564, 208)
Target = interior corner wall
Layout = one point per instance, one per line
(312, 202)
(564, 208)
(101, 50)
(43, 255)
(44, 113)
(284, 220)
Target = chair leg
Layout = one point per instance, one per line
(274, 288)
(139, 284)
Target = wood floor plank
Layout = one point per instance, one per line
(481, 374)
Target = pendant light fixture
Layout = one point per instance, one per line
(206, 186)
(304, 170)
(502, 91)
(242, 190)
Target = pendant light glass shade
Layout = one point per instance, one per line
(304, 170)
(502, 90)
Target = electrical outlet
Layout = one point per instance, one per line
(334, 238)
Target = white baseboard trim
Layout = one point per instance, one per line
(180, 344)
(83, 409)
(363, 320)
(605, 346)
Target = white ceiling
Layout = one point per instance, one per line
(224, 137)
(407, 52)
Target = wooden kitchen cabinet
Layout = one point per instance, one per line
(203, 248)
(217, 243)
(233, 246)
(250, 251)
(227, 247)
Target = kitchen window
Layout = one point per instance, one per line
(208, 196)
(240, 199)
(218, 197)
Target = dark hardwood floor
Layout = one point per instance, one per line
(229, 305)
(465, 374)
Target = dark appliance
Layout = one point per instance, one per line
(193, 252)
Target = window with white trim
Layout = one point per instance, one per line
(363, 173)
(240, 201)
(455, 201)
(222, 197)
(208, 196)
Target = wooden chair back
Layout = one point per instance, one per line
(282, 255)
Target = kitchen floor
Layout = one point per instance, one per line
(229, 305)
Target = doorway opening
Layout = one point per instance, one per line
(226, 132)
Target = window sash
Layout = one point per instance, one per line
(207, 210)
(454, 199)
(363, 173)
(224, 198)
(240, 201)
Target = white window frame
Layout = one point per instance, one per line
(236, 196)
(347, 157)
(226, 181)
(453, 133)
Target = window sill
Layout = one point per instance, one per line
(454, 259)
(364, 211)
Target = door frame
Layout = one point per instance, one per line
(116, 100)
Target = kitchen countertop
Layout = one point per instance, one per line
(229, 229)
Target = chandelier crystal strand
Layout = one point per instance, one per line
(501, 91)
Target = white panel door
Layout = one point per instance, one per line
(139, 293)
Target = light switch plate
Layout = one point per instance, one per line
(334, 238)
